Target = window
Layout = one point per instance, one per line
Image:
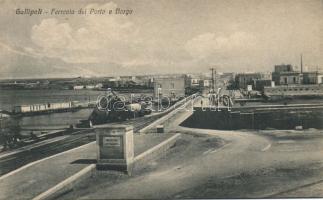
(294, 79)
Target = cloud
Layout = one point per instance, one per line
(6, 49)
(52, 35)
(98, 38)
(210, 45)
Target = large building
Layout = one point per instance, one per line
(285, 75)
(287, 78)
(284, 68)
(245, 79)
(171, 87)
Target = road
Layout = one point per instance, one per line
(235, 164)
(166, 182)
(240, 164)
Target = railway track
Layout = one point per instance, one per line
(14, 161)
(17, 160)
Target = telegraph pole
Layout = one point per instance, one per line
(213, 81)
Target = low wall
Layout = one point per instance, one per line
(154, 152)
(277, 119)
(139, 161)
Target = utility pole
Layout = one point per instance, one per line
(213, 81)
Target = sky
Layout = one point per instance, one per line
(160, 36)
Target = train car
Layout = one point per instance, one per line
(114, 109)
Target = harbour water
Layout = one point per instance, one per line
(11, 98)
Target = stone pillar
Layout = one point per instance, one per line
(115, 150)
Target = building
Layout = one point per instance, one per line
(172, 87)
(205, 83)
(285, 75)
(287, 78)
(243, 80)
(319, 79)
(284, 68)
(312, 77)
(260, 84)
(89, 87)
(283, 91)
(128, 78)
(195, 82)
(78, 87)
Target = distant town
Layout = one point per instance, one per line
(284, 81)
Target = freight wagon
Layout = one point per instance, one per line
(114, 109)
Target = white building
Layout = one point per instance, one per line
(78, 87)
(169, 87)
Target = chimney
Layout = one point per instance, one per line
(301, 63)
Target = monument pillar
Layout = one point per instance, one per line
(115, 150)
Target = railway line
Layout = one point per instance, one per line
(79, 137)
(73, 140)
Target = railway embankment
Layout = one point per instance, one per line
(51, 172)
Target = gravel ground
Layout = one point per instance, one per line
(191, 146)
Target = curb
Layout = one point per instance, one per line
(140, 160)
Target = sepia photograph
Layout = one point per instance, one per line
(162, 99)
